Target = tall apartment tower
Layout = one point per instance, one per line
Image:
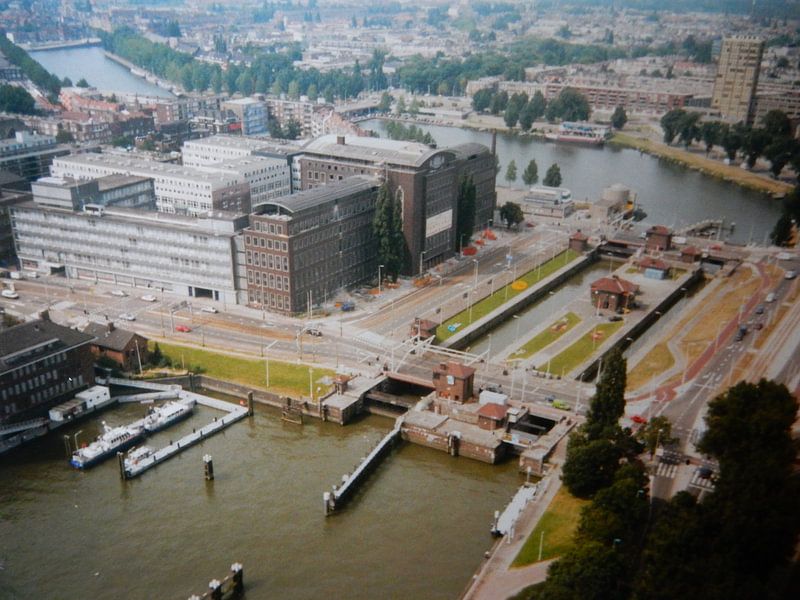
(737, 77)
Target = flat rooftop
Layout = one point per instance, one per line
(371, 149)
(251, 144)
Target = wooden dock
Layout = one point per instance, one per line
(339, 496)
(233, 412)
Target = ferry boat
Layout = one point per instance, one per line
(137, 455)
(163, 416)
(114, 439)
(580, 132)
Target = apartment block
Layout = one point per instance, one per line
(251, 113)
(737, 78)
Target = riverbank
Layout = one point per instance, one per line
(707, 166)
(141, 73)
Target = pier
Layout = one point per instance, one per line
(231, 586)
(339, 496)
(233, 412)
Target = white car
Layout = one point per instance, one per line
(209, 309)
(149, 298)
(9, 294)
(790, 275)
(127, 317)
(118, 293)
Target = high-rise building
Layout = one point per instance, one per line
(251, 113)
(737, 78)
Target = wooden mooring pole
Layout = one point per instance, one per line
(208, 467)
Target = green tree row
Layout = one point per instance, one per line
(397, 131)
(569, 105)
(32, 69)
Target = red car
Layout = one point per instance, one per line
(183, 328)
(638, 419)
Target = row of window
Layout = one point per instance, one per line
(269, 280)
(267, 243)
(268, 227)
(35, 366)
(268, 261)
(276, 301)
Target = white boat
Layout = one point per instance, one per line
(579, 132)
(112, 440)
(163, 416)
(137, 455)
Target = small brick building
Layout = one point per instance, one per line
(613, 293)
(654, 268)
(120, 345)
(454, 381)
(659, 238)
(492, 416)
(691, 254)
(578, 241)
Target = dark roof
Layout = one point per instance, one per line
(28, 342)
(614, 285)
(318, 196)
(496, 412)
(113, 339)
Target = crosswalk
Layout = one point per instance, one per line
(666, 470)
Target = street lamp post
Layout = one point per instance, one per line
(476, 272)
(379, 279)
(421, 257)
(517, 318)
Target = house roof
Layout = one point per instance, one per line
(614, 285)
(496, 412)
(28, 342)
(659, 229)
(653, 263)
(456, 370)
(579, 235)
(110, 338)
(691, 250)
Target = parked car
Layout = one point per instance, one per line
(639, 419)
(127, 317)
(118, 293)
(149, 298)
(313, 331)
(760, 309)
(741, 333)
(790, 275)
(9, 294)
(183, 328)
(771, 297)
(615, 318)
(209, 309)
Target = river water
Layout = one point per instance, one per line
(417, 529)
(670, 194)
(101, 72)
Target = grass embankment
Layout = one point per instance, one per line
(570, 358)
(705, 165)
(655, 362)
(548, 336)
(284, 378)
(558, 523)
(503, 294)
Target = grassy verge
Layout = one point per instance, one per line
(284, 378)
(548, 336)
(503, 294)
(558, 524)
(705, 165)
(578, 352)
(655, 362)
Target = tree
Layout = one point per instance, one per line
(538, 105)
(293, 130)
(689, 131)
(482, 99)
(531, 174)
(777, 123)
(608, 403)
(710, 132)
(656, 432)
(527, 116)
(782, 232)
(173, 29)
(511, 116)
(779, 153)
(570, 105)
(553, 176)
(15, 99)
(619, 118)
(731, 141)
(400, 108)
(499, 103)
(82, 83)
(385, 230)
(465, 223)
(754, 143)
(670, 123)
(589, 572)
(64, 137)
(590, 465)
(66, 82)
(312, 92)
(386, 103)
(511, 213)
(511, 171)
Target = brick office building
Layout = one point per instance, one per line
(425, 180)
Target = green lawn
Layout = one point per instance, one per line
(284, 378)
(558, 523)
(570, 358)
(500, 296)
(548, 336)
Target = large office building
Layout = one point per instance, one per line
(29, 155)
(41, 364)
(737, 78)
(301, 248)
(189, 256)
(178, 189)
(251, 113)
(112, 190)
(424, 180)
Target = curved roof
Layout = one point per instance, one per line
(300, 201)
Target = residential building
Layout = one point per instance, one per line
(41, 364)
(288, 111)
(188, 256)
(423, 179)
(183, 109)
(737, 78)
(178, 189)
(29, 155)
(300, 249)
(786, 101)
(251, 113)
(126, 348)
(267, 177)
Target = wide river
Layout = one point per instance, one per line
(101, 72)
(670, 194)
(417, 528)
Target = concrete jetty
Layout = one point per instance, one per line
(350, 482)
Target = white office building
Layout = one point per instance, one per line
(178, 189)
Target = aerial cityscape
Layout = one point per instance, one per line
(475, 300)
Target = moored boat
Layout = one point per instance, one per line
(112, 440)
(160, 417)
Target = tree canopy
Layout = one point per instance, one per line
(553, 176)
(531, 174)
(511, 213)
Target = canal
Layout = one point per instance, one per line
(670, 194)
(101, 72)
(417, 529)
